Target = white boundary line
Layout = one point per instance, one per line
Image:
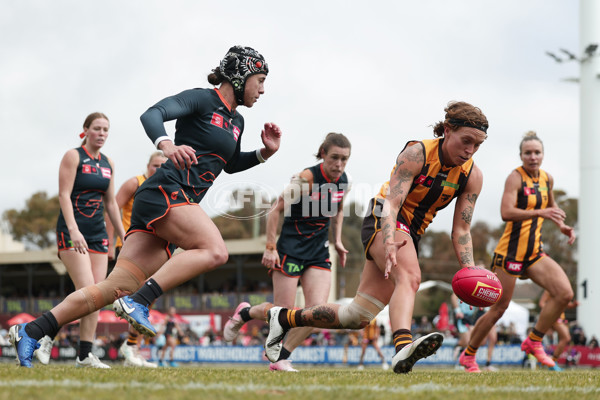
(419, 388)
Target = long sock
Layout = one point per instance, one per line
(471, 350)
(402, 338)
(46, 324)
(535, 335)
(245, 314)
(290, 318)
(132, 339)
(284, 355)
(85, 348)
(149, 292)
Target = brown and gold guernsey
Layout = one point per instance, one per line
(126, 211)
(370, 331)
(522, 240)
(432, 189)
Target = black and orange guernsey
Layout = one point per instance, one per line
(92, 179)
(305, 231)
(432, 189)
(522, 240)
(208, 124)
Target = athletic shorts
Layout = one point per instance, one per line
(153, 203)
(514, 267)
(294, 267)
(372, 224)
(63, 242)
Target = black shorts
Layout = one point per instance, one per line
(513, 267)
(372, 224)
(294, 267)
(99, 246)
(152, 204)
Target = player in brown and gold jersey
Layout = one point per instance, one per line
(428, 174)
(527, 201)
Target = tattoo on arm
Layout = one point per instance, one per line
(472, 198)
(467, 214)
(466, 257)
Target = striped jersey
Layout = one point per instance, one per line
(126, 211)
(432, 189)
(522, 240)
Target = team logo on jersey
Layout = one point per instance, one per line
(424, 180)
(88, 169)
(217, 120)
(106, 173)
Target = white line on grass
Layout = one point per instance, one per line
(418, 388)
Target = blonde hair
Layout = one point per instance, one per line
(158, 153)
(529, 135)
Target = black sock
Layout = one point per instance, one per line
(147, 293)
(245, 314)
(46, 324)
(285, 322)
(84, 349)
(284, 355)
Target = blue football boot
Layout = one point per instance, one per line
(136, 314)
(24, 345)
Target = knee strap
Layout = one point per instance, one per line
(124, 280)
(360, 311)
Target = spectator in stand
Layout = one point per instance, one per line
(425, 327)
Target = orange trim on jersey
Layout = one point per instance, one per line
(325, 175)
(223, 99)
(91, 156)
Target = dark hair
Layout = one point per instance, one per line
(333, 139)
(464, 112)
(91, 118)
(215, 77)
(531, 135)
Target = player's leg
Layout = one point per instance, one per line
(549, 275)
(487, 321)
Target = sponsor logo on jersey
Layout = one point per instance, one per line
(514, 266)
(528, 191)
(236, 132)
(424, 180)
(104, 242)
(486, 292)
(88, 169)
(106, 173)
(217, 120)
(453, 185)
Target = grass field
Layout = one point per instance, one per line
(66, 382)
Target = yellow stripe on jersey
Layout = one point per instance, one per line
(522, 240)
(432, 189)
(126, 211)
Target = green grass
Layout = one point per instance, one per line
(62, 381)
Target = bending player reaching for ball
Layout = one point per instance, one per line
(427, 176)
(526, 202)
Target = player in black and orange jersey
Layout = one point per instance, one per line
(311, 203)
(370, 336)
(125, 194)
(86, 187)
(527, 201)
(427, 176)
(166, 206)
(561, 327)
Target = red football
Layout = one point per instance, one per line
(477, 286)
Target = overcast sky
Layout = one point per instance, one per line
(381, 72)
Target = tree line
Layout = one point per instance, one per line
(35, 225)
